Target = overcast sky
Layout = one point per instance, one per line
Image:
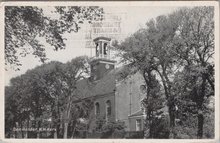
(135, 18)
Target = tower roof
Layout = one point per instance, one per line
(102, 38)
(138, 113)
(95, 60)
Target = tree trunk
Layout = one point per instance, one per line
(26, 132)
(150, 125)
(67, 116)
(16, 132)
(74, 128)
(55, 126)
(200, 125)
(146, 128)
(172, 121)
(55, 135)
(65, 130)
(38, 129)
(38, 134)
(22, 132)
(200, 102)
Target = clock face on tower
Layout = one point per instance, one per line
(107, 66)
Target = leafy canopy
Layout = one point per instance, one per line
(25, 25)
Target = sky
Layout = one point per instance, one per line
(133, 19)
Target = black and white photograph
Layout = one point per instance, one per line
(110, 70)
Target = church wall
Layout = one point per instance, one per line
(128, 97)
(99, 68)
(102, 99)
(132, 123)
(102, 102)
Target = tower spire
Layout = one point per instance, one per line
(101, 64)
(102, 47)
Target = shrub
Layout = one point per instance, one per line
(113, 129)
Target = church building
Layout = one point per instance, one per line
(115, 98)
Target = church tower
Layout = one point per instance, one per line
(101, 64)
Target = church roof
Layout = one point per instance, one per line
(138, 113)
(87, 88)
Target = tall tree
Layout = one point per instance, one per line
(138, 52)
(54, 87)
(195, 47)
(60, 81)
(11, 111)
(24, 25)
(46, 93)
(169, 44)
(29, 96)
(161, 32)
(75, 70)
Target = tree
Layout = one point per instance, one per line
(36, 97)
(149, 50)
(161, 33)
(186, 102)
(11, 112)
(55, 88)
(169, 44)
(46, 93)
(28, 96)
(154, 103)
(80, 117)
(140, 56)
(195, 47)
(73, 71)
(24, 25)
(60, 80)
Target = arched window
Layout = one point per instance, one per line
(97, 49)
(97, 108)
(108, 108)
(105, 48)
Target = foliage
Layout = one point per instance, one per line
(195, 48)
(185, 129)
(160, 128)
(25, 25)
(111, 129)
(41, 94)
(177, 50)
(11, 112)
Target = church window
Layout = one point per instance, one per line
(138, 124)
(105, 48)
(100, 48)
(97, 108)
(97, 49)
(108, 108)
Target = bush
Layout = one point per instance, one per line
(188, 128)
(113, 129)
(160, 128)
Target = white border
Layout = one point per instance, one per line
(108, 3)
